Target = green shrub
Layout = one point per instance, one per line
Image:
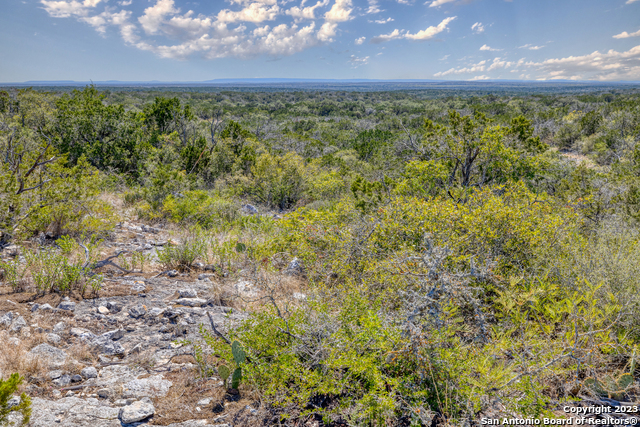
(14, 273)
(182, 256)
(7, 389)
(278, 182)
(65, 269)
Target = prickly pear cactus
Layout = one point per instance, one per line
(235, 379)
(609, 386)
(239, 355)
(224, 372)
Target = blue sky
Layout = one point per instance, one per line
(176, 40)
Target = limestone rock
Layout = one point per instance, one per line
(49, 355)
(191, 302)
(89, 372)
(66, 304)
(188, 293)
(18, 324)
(137, 311)
(152, 386)
(137, 411)
(7, 319)
(73, 412)
(295, 268)
(54, 338)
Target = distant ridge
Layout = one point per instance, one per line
(267, 81)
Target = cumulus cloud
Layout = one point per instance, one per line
(473, 68)
(498, 64)
(155, 15)
(422, 35)
(631, 1)
(625, 35)
(430, 32)
(300, 13)
(255, 12)
(239, 30)
(477, 28)
(395, 34)
(360, 40)
(66, 9)
(339, 12)
(327, 31)
(610, 65)
(437, 3)
(488, 48)
(479, 78)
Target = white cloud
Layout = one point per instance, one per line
(395, 34)
(444, 58)
(66, 9)
(498, 63)
(167, 32)
(300, 13)
(479, 78)
(473, 68)
(631, 1)
(611, 65)
(125, 2)
(339, 12)
(425, 34)
(485, 47)
(374, 7)
(382, 21)
(356, 62)
(255, 12)
(624, 35)
(154, 16)
(360, 40)
(327, 31)
(531, 47)
(477, 28)
(438, 3)
(432, 31)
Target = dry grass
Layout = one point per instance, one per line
(14, 356)
(181, 401)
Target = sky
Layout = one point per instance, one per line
(178, 40)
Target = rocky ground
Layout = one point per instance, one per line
(123, 357)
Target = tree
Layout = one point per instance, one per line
(37, 187)
(107, 135)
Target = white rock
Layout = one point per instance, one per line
(54, 338)
(137, 411)
(18, 324)
(89, 372)
(188, 293)
(191, 302)
(153, 386)
(49, 355)
(59, 327)
(204, 402)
